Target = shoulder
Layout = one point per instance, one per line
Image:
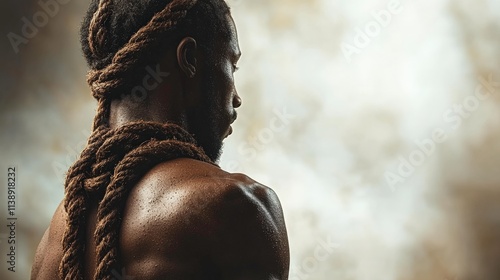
(197, 208)
(209, 186)
(191, 188)
(198, 178)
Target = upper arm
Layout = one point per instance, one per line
(251, 240)
(39, 255)
(48, 253)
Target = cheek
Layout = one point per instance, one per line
(226, 86)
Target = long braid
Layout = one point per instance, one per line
(115, 160)
(75, 204)
(97, 34)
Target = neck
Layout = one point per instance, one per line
(128, 109)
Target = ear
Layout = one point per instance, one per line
(186, 56)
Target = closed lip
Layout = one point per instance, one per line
(230, 129)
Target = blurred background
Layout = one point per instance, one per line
(376, 122)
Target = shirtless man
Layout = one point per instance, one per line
(185, 218)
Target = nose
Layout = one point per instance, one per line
(236, 100)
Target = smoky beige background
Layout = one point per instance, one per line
(352, 121)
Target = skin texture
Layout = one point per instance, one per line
(187, 219)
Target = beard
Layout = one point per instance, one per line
(205, 121)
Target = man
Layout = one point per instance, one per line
(144, 201)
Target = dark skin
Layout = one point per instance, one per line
(187, 219)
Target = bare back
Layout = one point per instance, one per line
(187, 220)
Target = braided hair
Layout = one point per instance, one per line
(118, 38)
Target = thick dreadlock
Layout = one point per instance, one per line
(115, 159)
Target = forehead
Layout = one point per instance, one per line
(233, 44)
